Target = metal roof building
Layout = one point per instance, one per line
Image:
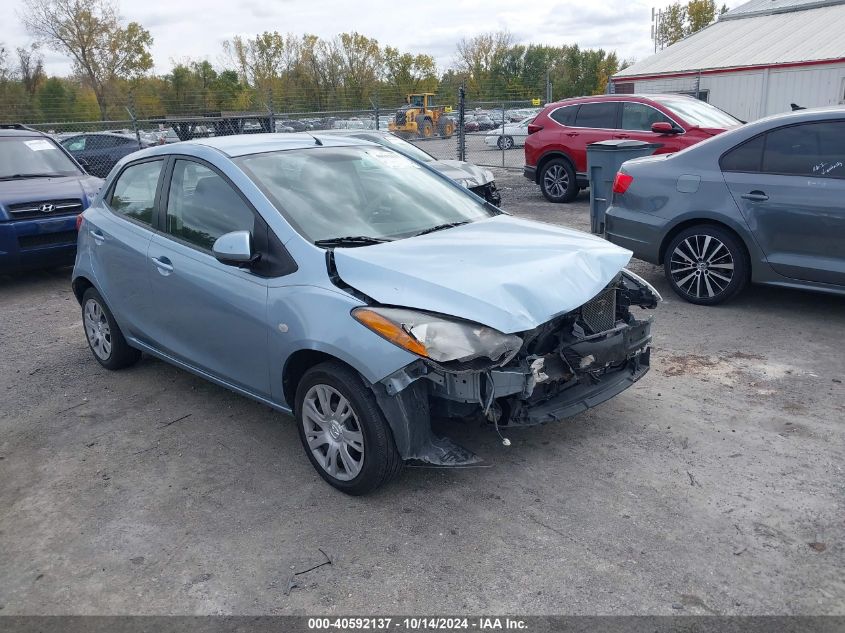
(756, 60)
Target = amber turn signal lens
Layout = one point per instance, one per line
(389, 330)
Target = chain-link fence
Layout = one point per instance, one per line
(490, 133)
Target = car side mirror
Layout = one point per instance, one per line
(234, 249)
(83, 163)
(663, 127)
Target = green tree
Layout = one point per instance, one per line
(678, 21)
(55, 100)
(91, 33)
(672, 26)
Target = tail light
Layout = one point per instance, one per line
(79, 220)
(622, 182)
(533, 127)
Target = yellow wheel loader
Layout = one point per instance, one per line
(420, 118)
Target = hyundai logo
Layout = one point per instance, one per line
(46, 208)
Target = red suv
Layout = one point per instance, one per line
(556, 146)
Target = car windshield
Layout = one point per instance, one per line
(698, 112)
(400, 145)
(22, 157)
(332, 192)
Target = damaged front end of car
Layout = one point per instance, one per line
(466, 370)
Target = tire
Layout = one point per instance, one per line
(557, 181)
(706, 265)
(103, 334)
(424, 127)
(364, 453)
(446, 127)
(505, 143)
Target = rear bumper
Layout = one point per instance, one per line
(639, 232)
(33, 244)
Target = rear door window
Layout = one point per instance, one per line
(809, 149)
(134, 191)
(597, 115)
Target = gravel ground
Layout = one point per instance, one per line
(714, 485)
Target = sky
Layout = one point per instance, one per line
(191, 30)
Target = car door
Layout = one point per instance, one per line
(209, 315)
(119, 235)
(597, 121)
(789, 184)
(636, 122)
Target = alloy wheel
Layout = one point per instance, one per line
(97, 329)
(702, 266)
(333, 432)
(505, 142)
(556, 181)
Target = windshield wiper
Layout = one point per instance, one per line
(22, 176)
(351, 240)
(440, 227)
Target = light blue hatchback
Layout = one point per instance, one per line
(357, 289)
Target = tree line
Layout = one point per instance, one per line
(112, 76)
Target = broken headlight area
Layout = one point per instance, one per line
(447, 342)
(560, 368)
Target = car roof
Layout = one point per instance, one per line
(620, 97)
(23, 132)
(244, 144)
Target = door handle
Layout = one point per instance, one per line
(98, 235)
(755, 196)
(621, 136)
(164, 265)
(572, 133)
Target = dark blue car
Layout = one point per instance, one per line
(42, 191)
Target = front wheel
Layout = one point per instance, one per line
(557, 181)
(343, 430)
(706, 265)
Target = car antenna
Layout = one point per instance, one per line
(316, 140)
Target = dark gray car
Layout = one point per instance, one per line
(763, 203)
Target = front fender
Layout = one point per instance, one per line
(318, 319)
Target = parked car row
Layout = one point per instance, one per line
(720, 204)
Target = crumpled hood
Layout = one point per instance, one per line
(42, 189)
(504, 272)
(459, 170)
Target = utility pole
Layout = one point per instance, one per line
(548, 87)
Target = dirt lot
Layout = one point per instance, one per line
(715, 485)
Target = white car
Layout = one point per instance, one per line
(509, 136)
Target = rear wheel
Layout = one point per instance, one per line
(706, 265)
(557, 181)
(505, 142)
(447, 127)
(343, 430)
(104, 336)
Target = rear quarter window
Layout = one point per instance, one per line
(565, 115)
(746, 157)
